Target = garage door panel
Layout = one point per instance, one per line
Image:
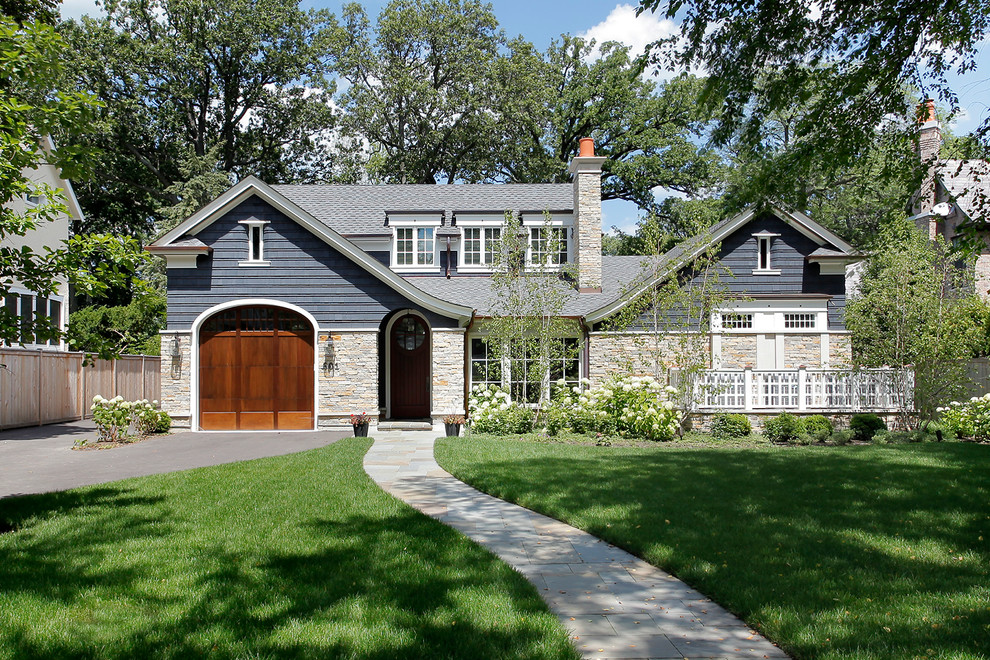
(253, 376)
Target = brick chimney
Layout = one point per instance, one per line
(929, 145)
(586, 170)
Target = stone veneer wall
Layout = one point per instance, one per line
(802, 351)
(175, 396)
(448, 372)
(353, 386)
(633, 353)
(840, 351)
(982, 277)
(738, 351)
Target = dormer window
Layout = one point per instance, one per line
(32, 199)
(255, 242)
(414, 245)
(764, 241)
(481, 240)
(548, 246)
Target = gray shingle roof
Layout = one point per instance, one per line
(968, 183)
(360, 209)
(617, 273)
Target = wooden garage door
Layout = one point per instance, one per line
(256, 370)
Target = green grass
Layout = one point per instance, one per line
(295, 556)
(832, 552)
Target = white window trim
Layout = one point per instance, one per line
(62, 320)
(768, 316)
(250, 226)
(568, 227)
(482, 224)
(430, 223)
(760, 238)
(506, 370)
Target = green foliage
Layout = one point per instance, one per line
(915, 307)
(818, 427)
(181, 80)
(730, 425)
(865, 425)
(115, 417)
(849, 67)
(968, 419)
(492, 410)
(841, 437)
(31, 109)
(785, 427)
(884, 437)
(129, 329)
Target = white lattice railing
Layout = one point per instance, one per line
(837, 390)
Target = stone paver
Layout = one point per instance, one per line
(614, 604)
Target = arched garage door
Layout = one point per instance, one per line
(256, 370)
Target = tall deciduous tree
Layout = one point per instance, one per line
(915, 308)
(32, 108)
(242, 77)
(649, 132)
(420, 88)
(763, 56)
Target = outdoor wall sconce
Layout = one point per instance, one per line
(176, 355)
(329, 357)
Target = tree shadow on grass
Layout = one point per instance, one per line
(851, 551)
(394, 585)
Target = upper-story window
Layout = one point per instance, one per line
(255, 242)
(481, 240)
(764, 241)
(548, 245)
(414, 245)
(33, 199)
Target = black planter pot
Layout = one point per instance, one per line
(361, 430)
(453, 430)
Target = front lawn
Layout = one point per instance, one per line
(294, 556)
(832, 552)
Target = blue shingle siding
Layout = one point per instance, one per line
(304, 271)
(738, 255)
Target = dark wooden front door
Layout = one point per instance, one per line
(410, 377)
(256, 370)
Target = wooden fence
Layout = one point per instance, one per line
(44, 387)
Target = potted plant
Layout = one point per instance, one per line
(452, 424)
(360, 424)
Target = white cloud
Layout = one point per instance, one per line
(637, 32)
(79, 8)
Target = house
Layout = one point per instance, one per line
(953, 195)
(293, 306)
(19, 300)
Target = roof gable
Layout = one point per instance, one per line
(250, 187)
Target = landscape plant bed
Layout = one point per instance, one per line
(297, 556)
(832, 552)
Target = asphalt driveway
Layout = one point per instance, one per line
(40, 459)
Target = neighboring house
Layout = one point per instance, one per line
(955, 193)
(21, 301)
(292, 306)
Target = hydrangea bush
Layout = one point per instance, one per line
(114, 417)
(969, 419)
(492, 410)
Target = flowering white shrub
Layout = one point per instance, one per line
(633, 406)
(113, 418)
(492, 410)
(969, 419)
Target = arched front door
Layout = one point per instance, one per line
(256, 370)
(410, 368)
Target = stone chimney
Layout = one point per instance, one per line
(586, 170)
(929, 145)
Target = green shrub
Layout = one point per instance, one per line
(865, 425)
(493, 411)
(902, 437)
(818, 427)
(802, 439)
(726, 426)
(785, 427)
(969, 419)
(839, 438)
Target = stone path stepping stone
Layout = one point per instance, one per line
(615, 605)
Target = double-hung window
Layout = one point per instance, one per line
(548, 245)
(414, 245)
(480, 246)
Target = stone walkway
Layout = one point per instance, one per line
(614, 604)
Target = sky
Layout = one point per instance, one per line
(541, 21)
